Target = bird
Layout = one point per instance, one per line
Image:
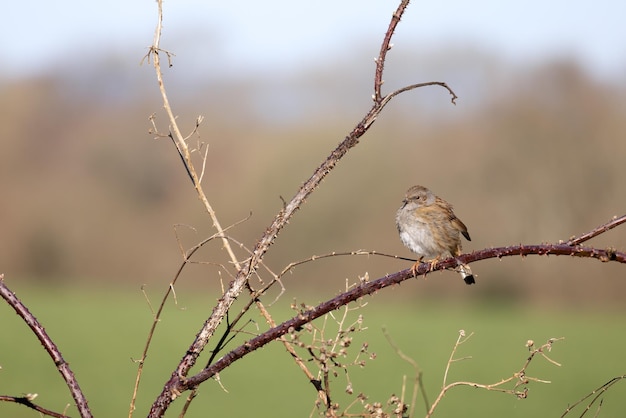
(429, 228)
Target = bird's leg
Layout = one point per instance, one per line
(415, 266)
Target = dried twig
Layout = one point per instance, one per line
(597, 392)
(520, 377)
(418, 383)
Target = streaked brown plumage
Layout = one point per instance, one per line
(428, 227)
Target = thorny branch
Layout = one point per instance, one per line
(367, 288)
(53, 351)
(615, 221)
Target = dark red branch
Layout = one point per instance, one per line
(64, 368)
(386, 46)
(390, 280)
(616, 221)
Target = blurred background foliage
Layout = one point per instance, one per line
(531, 153)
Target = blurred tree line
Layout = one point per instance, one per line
(530, 153)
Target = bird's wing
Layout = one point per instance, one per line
(460, 226)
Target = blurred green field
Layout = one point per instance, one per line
(100, 332)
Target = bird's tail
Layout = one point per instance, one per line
(466, 273)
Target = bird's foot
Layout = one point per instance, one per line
(415, 266)
(433, 262)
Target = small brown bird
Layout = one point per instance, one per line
(430, 229)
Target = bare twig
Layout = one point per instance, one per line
(312, 258)
(597, 392)
(520, 378)
(615, 221)
(460, 340)
(176, 135)
(418, 384)
(43, 337)
(27, 401)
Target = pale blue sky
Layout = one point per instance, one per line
(37, 34)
